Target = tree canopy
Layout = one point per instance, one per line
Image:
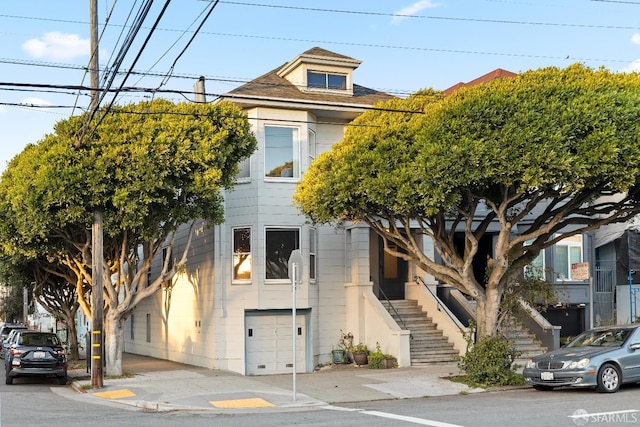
(529, 160)
(149, 167)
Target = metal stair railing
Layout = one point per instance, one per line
(404, 326)
(439, 304)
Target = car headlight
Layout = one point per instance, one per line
(530, 364)
(579, 364)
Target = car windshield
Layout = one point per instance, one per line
(613, 337)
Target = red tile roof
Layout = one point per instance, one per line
(495, 74)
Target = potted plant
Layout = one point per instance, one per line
(360, 354)
(340, 354)
(380, 360)
(337, 355)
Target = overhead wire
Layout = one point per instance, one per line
(171, 69)
(131, 71)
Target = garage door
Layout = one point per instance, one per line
(269, 346)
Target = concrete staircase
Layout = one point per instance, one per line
(524, 341)
(428, 344)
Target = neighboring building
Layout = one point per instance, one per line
(617, 273)
(573, 314)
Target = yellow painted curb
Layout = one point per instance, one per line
(242, 403)
(115, 394)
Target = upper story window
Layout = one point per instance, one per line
(244, 173)
(317, 80)
(537, 266)
(311, 139)
(567, 251)
(282, 152)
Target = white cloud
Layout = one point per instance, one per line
(405, 12)
(36, 101)
(633, 67)
(635, 39)
(56, 45)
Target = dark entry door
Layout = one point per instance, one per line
(393, 273)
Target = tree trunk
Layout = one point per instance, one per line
(487, 311)
(114, 342)
(72, 336)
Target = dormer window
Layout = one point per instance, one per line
(318, 80)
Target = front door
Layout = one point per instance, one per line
(392, 273)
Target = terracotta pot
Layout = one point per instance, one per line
(360, 358)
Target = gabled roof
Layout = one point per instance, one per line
(495, 74)
(271, 86)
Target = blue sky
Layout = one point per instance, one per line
(403, 45)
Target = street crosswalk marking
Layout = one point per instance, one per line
(414, 420)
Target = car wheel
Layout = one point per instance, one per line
(543, 387)
(8, 379)
(608, 379)
(62, 380)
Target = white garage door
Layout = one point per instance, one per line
(268, 343)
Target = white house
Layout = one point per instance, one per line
(232, 308)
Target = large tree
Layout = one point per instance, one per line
(151, 168)
(528, 160)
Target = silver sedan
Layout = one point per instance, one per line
(603, 358)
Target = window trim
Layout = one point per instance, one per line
(325, 87)
(284, 280)
(233, 253)
(295, 152)
(567, 243)
(244, 179)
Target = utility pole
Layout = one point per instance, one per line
(97, 251)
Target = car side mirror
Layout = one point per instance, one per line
(635, 346)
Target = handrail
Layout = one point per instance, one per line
(404, 326)
(440, 306)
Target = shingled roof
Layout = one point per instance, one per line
(271, 86)
(495, 74)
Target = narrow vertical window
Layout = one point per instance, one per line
(242, 254)
(244, 173)
(148, 327)
(312, 254)
(537, 266)
(282, 152)
(279, 244)
(312, 145)
(133, 326)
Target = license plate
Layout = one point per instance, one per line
(38, 354)
(546, 376)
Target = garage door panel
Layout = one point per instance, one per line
(268, 344)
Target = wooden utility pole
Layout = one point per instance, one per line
(97, 256)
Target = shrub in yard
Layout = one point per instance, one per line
(489, 363)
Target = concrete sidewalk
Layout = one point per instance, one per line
(163, 385)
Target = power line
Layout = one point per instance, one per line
(391, 15)
(443, 18)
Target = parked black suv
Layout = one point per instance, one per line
(35, 353)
